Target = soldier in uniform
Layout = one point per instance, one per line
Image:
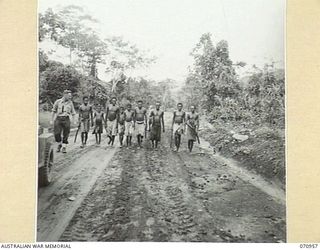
(85, 116)
(129, 124)
(178, 125)
(140, 122)
(155, 125)
(121, 125)
(62, 110)
(111, 121)
(192, 127)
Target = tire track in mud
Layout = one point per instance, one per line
(238, 209)
(95, 210)
(160, 195)
(174, 211)
(119, 221)
(190, 222)
(55, 208)
(62, 180)
(115, 211)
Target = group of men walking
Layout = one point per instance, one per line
(122, 121)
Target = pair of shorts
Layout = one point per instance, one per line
(128, 128)
(98, 128)
(178, 128)
(121, 129)
(140, 129)
(85, 125)
(112, 128)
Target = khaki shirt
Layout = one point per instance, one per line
(63, 108)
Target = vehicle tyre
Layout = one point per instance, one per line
(45, 172)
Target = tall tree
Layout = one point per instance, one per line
(213, 71)
(72, 28)
(92, 51)
(51, 25)
(123, 58)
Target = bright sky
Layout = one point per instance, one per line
(170, 29)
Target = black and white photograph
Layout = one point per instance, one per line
(161, 121)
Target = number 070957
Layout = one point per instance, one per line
(308, 246)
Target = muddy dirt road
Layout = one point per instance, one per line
(129, 194)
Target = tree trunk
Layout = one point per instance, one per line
(93, 68)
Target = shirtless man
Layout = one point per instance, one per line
(98, 117)
(85, 116)
(178, 125)
(111, 120)
(129, 124)
(121, 125)
(155, 125)
(192, 127)
(140, 122)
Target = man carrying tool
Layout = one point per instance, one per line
(85, 116)
(155, 125)
(140, 122)
(178, 125)
(129, 124)
(111, 121)
(192, 128)
(62, 110)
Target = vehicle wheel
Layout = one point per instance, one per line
(45, 177)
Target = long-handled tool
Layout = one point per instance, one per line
(75, 137)
(145, 131)
(171, 137)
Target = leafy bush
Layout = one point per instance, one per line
(215, 88)
(55, 79)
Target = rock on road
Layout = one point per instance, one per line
(132, 194)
